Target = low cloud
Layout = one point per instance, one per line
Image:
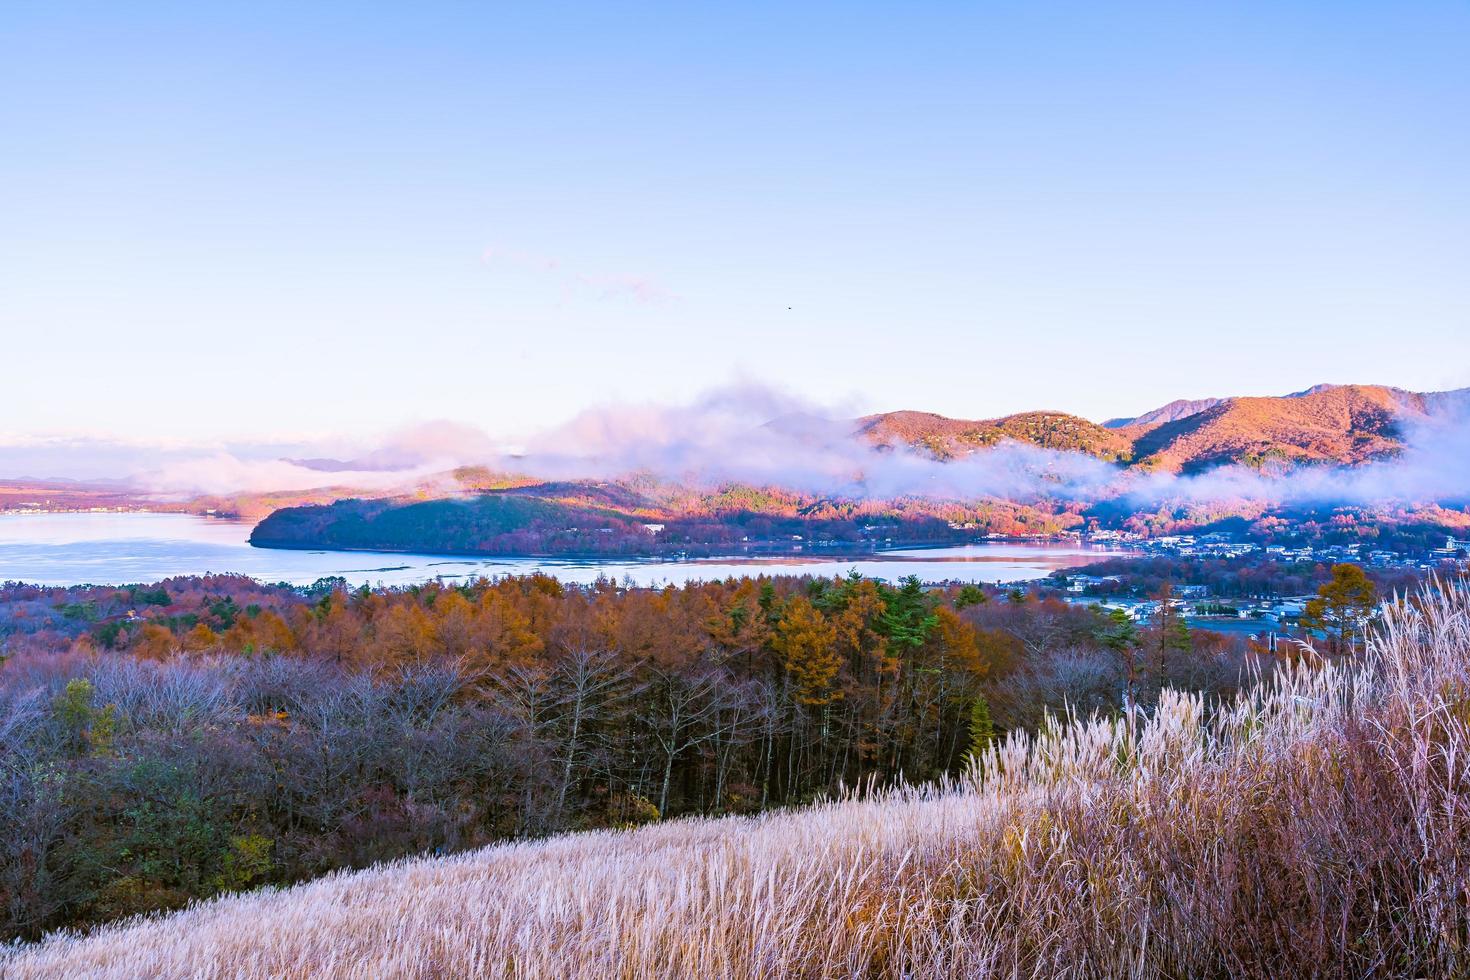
(743, 434)
(1433, 467)
(225, 473)
(753, 434)
(401, 458)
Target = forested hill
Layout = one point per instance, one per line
(946, 438)
(486, 524)
(524, 521)
(1326, 424)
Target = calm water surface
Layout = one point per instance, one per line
(112, 549)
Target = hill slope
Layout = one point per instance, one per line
(1325, 424)
(525, 521)
(1346, 424)
(946, 438)
(1316, 827)
(1178, 409)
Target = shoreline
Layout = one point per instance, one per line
(819, 554)
(93, 557)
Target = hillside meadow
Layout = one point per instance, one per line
(1318, 824)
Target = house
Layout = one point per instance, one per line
(1081, 583)
(1292, 607)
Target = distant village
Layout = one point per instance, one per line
(1224, 545)
(1265, 618)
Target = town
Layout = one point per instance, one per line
(1218, 582)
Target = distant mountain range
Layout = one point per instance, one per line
(1325, 424)
(640, 514)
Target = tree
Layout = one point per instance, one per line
(808, 649)
(201, 637)
(506, 634)
(87, 726)
(591, 683)
(1168, 633)
(947, 674)
(970, 595)
(1343, 607)
(681, 713)
(1119, 635)
(908, 614)
(530, 699)
(982, 728)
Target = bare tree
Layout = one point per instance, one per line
(529, 699)
(591, 684)
(683, 712)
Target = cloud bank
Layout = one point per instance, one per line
(403, 457)
(746, 434)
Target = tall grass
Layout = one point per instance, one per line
(1316, 826)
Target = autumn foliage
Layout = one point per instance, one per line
(175, 740)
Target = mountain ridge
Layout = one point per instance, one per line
(1325, 424)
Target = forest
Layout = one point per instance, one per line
(199, 735)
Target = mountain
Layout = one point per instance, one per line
(1178, 409)
(1324, 424)
(946, 438)
(1328, 424)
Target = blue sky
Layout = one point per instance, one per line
(273, 219)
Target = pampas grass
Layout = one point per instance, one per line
(1315, 826)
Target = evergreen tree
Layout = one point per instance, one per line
(908, 614)
(1120, 635)
(970, 595)
(982, 728)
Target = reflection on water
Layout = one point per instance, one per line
(111, 549)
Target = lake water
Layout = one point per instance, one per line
(113, 549)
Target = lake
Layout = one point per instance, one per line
(113, 549)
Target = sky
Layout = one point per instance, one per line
(273, 221)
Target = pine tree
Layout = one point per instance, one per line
(982, 728)
(908, 614)
(1121, 636)
(970, 595)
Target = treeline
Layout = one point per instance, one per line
(167, 742)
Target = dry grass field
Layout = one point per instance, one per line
(1318, 826)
